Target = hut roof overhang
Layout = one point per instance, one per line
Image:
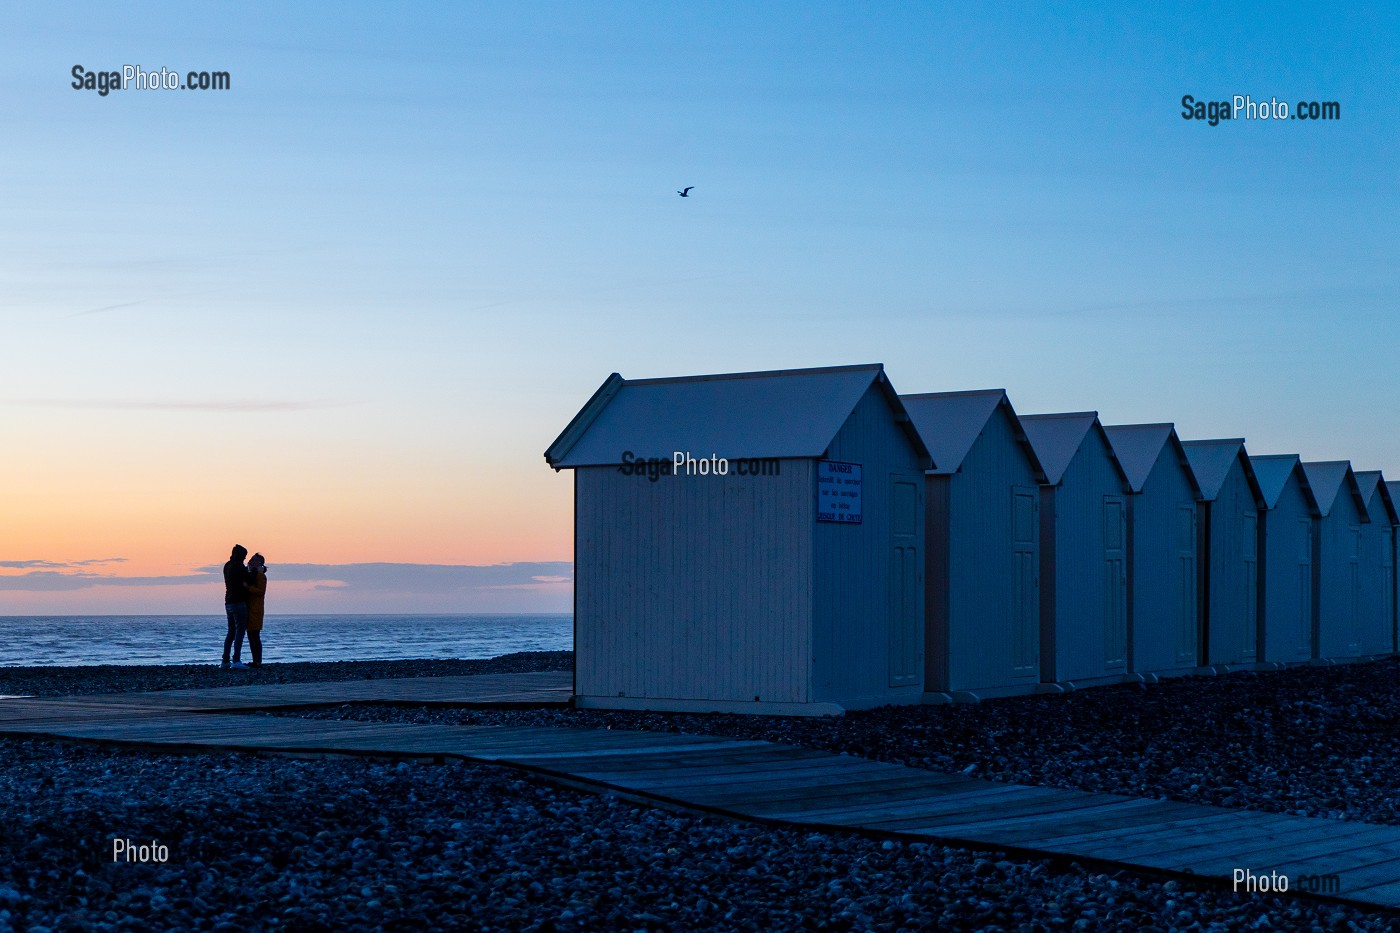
(1138, 447)
(1056, 439)
(1376, 492)
(781, 414)
(1211, 461)
(1328, 478)
(950, 423)
(1272, 472)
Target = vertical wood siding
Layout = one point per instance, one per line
(860, 643)
(1339, 582)
(989, 613)
(695, 587)
(1287, 563)
(1163, 609)
(1089, 608)
(1232, 604)
(1374, 617)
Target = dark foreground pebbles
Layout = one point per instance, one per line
(263, 843)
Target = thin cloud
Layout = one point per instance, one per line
(237, 405)
(59, 564)
(369, 579)
(124, 304)
(48, 581)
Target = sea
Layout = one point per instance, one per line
(83, 640)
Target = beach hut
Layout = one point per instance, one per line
(1393, 487)
(1290, 542)
(982, 527)
(747, 543)
(1377, 616)
(1229, 533)
(1083, 551)
(1339, 567)
(1162, 595)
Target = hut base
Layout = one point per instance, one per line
(751, 707)
(1069, 686)
(992, 693)
(1153, 677)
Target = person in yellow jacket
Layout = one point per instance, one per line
(257, 595)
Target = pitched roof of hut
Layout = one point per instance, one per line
(1272, 472)
(1328, 478)
(1211, 461)
(792, 413)
(1138, 448)
(1056, 439)
(1380, 504)
(950, 423)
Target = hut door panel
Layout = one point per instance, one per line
(1025, 589)
(1186, 584)
(1353, 600)
(1303, 648)
(1388, 584)
(1115, 555)
(1250, 649)
(905, 583)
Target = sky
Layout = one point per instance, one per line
(338, 311)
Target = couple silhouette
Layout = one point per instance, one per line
(244, 590)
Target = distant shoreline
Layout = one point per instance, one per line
(293, 615)
(85, 680)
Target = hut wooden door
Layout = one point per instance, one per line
(1249, 649)
(1025, 580)
(906, 582)
(1388, 584)
(1115, 556)
(1353, 595)
(1303, 647)
(1187, 649)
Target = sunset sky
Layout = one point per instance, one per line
(337, 312)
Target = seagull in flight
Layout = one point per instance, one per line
(686, 192)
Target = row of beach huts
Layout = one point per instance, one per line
(809, 541)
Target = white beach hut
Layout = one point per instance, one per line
(790, 581)
(1163, 626)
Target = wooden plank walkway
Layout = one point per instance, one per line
(754, 780)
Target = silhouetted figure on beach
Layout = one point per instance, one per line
(235, 604)
(257, 593)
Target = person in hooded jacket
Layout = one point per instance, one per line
(257, 594)
(235, 604)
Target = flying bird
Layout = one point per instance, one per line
(686, 192)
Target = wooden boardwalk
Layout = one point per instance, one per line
(752, 780)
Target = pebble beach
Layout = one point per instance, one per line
(268, 843)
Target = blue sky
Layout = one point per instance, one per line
(339, 310)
